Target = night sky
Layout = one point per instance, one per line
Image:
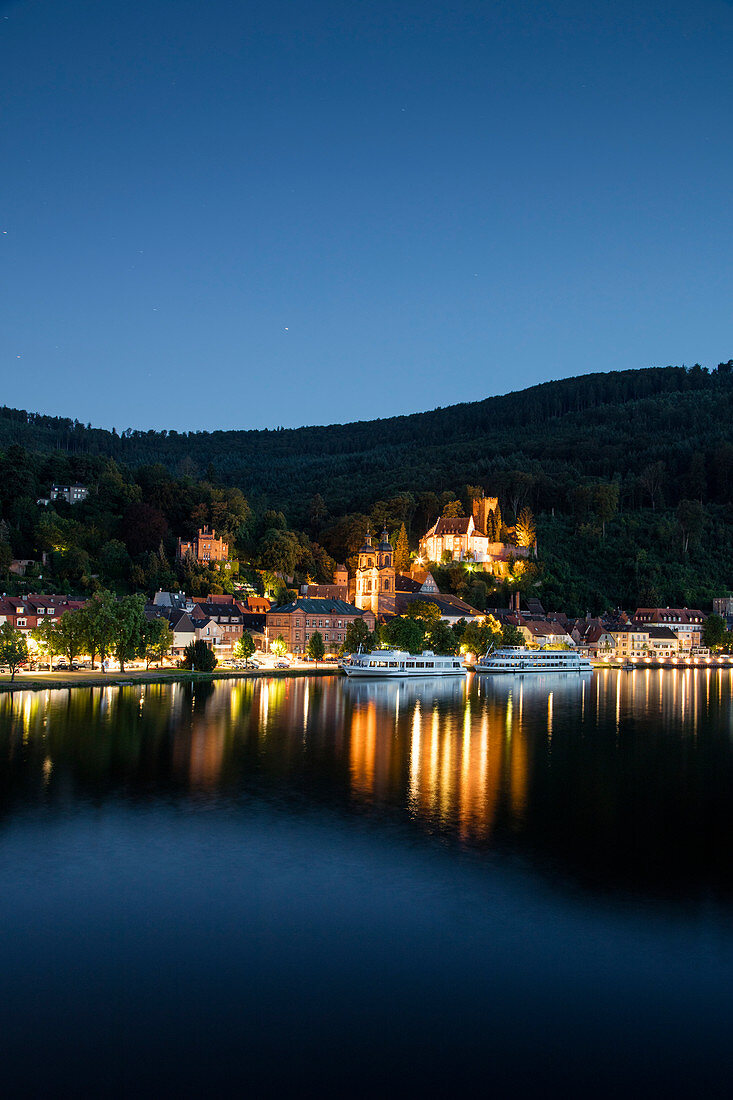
(248, 214)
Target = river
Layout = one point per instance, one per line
(369, 888)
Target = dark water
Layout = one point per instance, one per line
(373, 889)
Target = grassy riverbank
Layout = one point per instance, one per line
(38, 681)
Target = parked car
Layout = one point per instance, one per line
(61, 666)
(281, 664)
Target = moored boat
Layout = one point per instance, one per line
(517, 658)
(389, 663)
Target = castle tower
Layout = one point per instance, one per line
(341, 577)
(481, 506)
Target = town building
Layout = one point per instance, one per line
(663, 642)
(205, 548)
(27, 612)
(72, 494)
(630, 641)
(325, 591)
(179, 621)
(591, 636)
(297, 621)
(539, 634)
(687, 623)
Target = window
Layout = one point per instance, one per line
(325, 636)
(21, 622)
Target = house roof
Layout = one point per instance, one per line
(451, 525)
(661, 633)
(663, 614)
(545, 629)
(449, 606)
(317, 605)
(405, 583)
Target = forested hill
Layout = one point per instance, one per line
(596, 426)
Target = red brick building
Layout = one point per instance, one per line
(205, 547)
(297, 621)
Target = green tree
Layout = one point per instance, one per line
(70, 634)
(358, 634)
(512, 635)
(198, 657)
(244, 648)
(423, 611)
(402, 551)
(315, 648)
(45, 640)
(157, 639)
(714, 632)
(605, 502)
(525, 531)
(279, 646)
(114, 561)
(441, 639)
(690, 518)
(453, 508)
(13, 648)
(478, 637)
(129, 624)
(98, 617)
(403, 633)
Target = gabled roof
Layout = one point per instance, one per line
(451, 525)
(181, 621)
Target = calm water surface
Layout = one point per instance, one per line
(379, 889)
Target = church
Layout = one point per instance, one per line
(375, 576)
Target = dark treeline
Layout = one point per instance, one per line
(602, 426)
(614, 466)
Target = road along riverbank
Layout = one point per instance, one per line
(40, 681)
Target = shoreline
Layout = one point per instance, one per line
(34, 681)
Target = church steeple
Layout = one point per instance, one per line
(385, 551)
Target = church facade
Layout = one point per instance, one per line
(375, 576)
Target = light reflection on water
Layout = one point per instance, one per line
(617, 766)
(390, 886)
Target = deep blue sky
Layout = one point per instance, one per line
(245, 214)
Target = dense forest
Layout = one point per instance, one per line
(629, 475)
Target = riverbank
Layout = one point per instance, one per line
(41, 681)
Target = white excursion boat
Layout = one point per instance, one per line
(517, 658)
(397, 662)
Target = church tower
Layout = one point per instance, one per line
(385, 564)
(375, 574)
